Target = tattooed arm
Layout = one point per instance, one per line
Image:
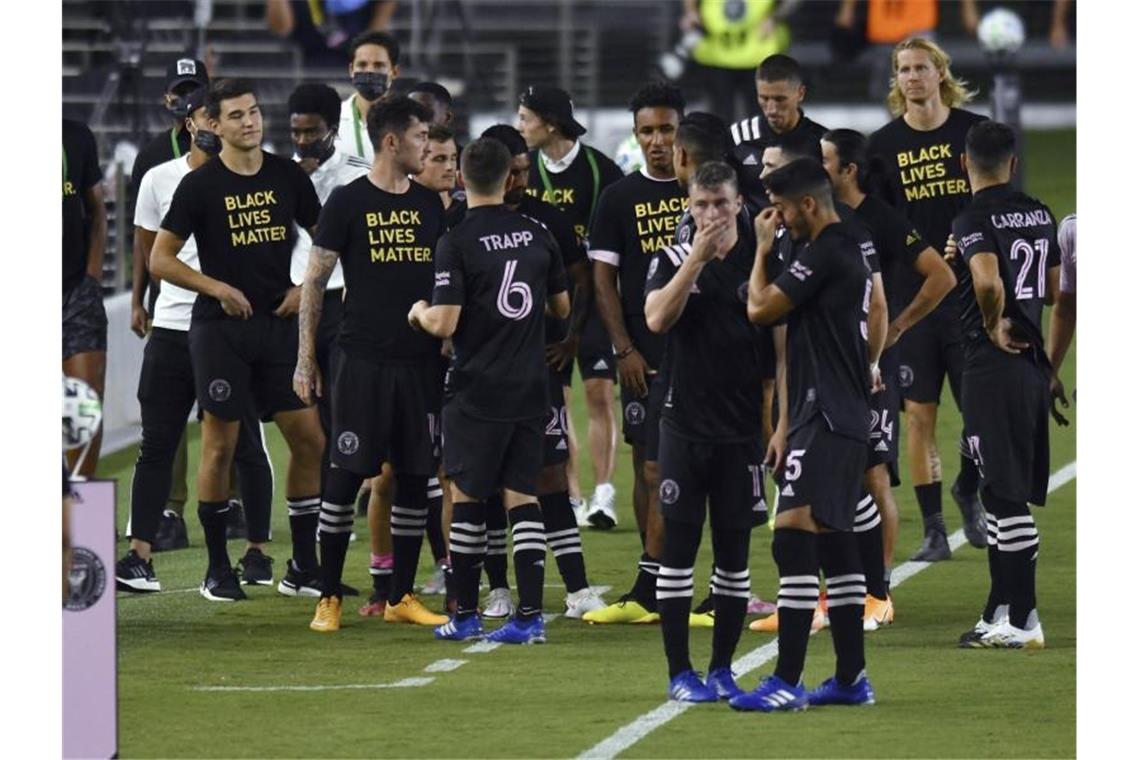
(307, 376)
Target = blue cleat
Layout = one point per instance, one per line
(831, 692)
(460, 630)
(520, 631)
(688, 687)
(772, 695)
(722, 682)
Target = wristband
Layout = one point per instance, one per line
(626, 352)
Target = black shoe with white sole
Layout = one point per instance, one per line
(935, 548)
(256, 568)
(134, 574)
(221, 585)
(300, 582)
(171, 533)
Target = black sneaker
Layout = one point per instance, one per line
(235, 521)
(171, 533)
(934, 548)
(300, 583)
(973, 517)
(256, 568)
(134, 574)
(221, 585)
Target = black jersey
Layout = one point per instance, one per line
(386, 244)
(80, 173)
(715, 353)
(752, 136)
(829, 284)
(500, 266)
(570, 247)
(576, 189)
(637, 216)
(243, 226)
(898, 245)
(1022, 233)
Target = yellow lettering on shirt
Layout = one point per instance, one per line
(250, 220)
(924, 173)
(657, 221)
(391, 237)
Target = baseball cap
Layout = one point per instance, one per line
(554, 105)
(186, 70)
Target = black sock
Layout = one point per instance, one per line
(930, 503)
(564, 540)
(869, 535)
(435, 521)
(304, 512)
(409, 518)
(967, 479)
(335, 519)
(468, 544)
(846, 595)
(998, 599)
(212, 515)
(529, 538)
(381, 578)
(675, 592)
(496, 562)
(797, 560)
(644, 590)
(731, 588)
(1017, 543)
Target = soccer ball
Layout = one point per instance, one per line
(82, 413)
(1001, 31)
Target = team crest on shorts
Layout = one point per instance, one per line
(670, 491)
(635, 413)
(220, 390)
(906, 376)
(347, 443)
(86, 580)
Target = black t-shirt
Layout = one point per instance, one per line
(637, 216)
(898, 245)
(500, 266)
(829, 284)
(386, 244)
(574, 189)
(715, 353)
(244, 227)
(925, 180)
(570, 246)
(1022, 232)
(80, 173)
(455, 212)
(752, 136)
(158, 150)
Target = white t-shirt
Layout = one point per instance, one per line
(340, 169)
(174, 304)
(352, 134)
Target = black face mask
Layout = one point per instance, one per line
(321, 149)
(177, 107)
(370, 84)
(208, 142)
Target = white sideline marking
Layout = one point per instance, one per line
(633, 732)
(444, 666)
(403, 683)
(482, 647)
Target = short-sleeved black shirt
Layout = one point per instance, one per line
(573, 189)
(80, 173)
(386, 244)
(829, 284)
(898, 245)
(752, 136)
(715, 353)
(1022, 232)
(500, 266)
(244, 227)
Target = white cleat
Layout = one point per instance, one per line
(601, 512)
(580, 508)
(498, 604)
(1007, 636)
(583, 601)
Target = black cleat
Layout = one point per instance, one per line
(300, 582)
(235, 521)
(973, 517)
(256, 568)
(221, 585)
(134, 574)
(171, 533)
(934, 548)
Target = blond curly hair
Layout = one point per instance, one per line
(954, 91)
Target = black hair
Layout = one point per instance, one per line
(486, 163)
(799, 178)
(780, 68)
(851, 147)
(508, 136)
(440, 133)
(658, 95)
(435, 89)
(319, 99)
(713, 174)
(704, 136)
(383, 39)
(799, 143)
(224, 89)
(990, 145)
(394, 115)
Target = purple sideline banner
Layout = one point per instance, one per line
(90, 697)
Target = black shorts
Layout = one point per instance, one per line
(238, 362)
(555, 444)
(482, 456)
(332, 314)
(596, 352)
(728, 476)
(84, 319)
(385, 413)
(883, 446)
(824, 471)
(634, 412)
(928, 353)
(1005, 408)
(654, 404)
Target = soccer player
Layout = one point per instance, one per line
(571, 175)
(84, 242)
(903, 254)
(386, 387)
(925, 180)
(711, 436)
(637, 216)
(1008, 243)
(825, 293)
(489, 271)
(166, 387)
(241, 208)
(436, 98)
(441, 167)
(780, 92)
(374, 63)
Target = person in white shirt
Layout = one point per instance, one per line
(374, 64)
(166, 388)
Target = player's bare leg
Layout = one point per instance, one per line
(572, 480)
(602, 436)
(91, 368)
(640, 491)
